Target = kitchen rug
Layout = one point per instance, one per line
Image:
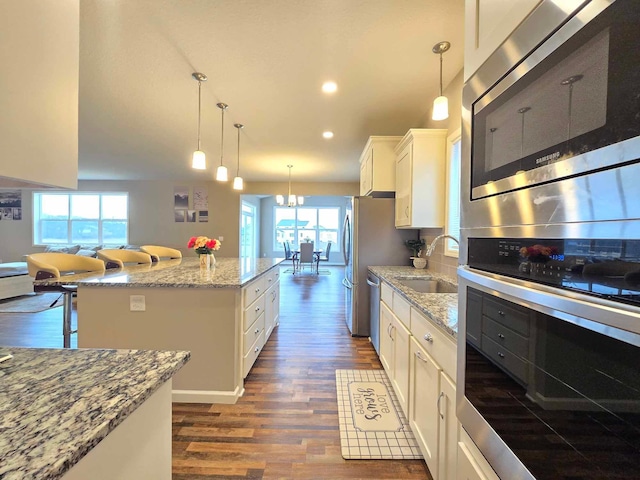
(372, 425)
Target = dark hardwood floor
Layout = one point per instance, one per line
(286, 424)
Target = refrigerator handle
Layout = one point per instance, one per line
(345, 227)
(373, 284)
(347, 283)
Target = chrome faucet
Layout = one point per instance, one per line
(435, 240)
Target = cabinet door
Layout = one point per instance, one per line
(403, 187)
(271, 309)
(386, 342)
(423, 412)
(448, 439)
(401, 346)
(366, 173)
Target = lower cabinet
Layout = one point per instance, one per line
(394, 354)
(261, 313)
(448, 435)
(471, 465)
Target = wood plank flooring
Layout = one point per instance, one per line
(286, 424)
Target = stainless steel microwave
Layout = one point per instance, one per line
(570, 107)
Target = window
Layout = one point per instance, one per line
(295, 225)
(452, 226)
(248, 246)
(86, 218)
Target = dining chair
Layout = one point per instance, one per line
(327, 251)
(42, 266)
(117, 257)
(157, 252)
(306, 256)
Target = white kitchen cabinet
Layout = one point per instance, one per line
(420, 179)
(377, 166)
(423, 398)
(488, 23)
(394, 354)
(261, 313)
(471, 465)
(448, 430)
(39, 94)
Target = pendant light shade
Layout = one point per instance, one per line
(292, 200)
(221, 172)
(238, 183)
(440, 104)
(199, 161)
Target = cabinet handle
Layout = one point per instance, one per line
(257, 350)
(257, 331)
(257, 309)
(406, 211)
(257, 290)
(417, 354)
(500, 335)
(389, 329)
(271, 279)
(438, 404)
(501, 355)
(428, 337)
(391, 332)
(500, 312)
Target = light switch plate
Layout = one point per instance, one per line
(137, 303)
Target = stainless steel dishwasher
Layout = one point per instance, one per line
(374, 310)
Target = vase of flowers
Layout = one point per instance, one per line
(204, 246)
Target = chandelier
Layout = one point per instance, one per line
(292, 200)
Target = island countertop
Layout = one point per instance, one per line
(178, 273)
(442, 308)
(56, 405)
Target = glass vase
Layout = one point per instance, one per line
(205, 261)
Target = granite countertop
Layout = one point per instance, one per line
(178, 273)
(442, 308)
(56, 405)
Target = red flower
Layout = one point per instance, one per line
(211, 243)
(192, 242)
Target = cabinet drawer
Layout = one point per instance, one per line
(253, 333)
(508, 314)
(507, 360)
(402, 309)
(252, 312)
(386, 294)
(271, 277)
(251, 356)
(505, 336)
(435, 342)
(253, 291)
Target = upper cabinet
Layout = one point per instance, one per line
(377, 166)
(39, 94)
(420, 179)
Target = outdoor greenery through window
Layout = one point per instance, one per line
(453, 193)
(296, 225)
(80, 218)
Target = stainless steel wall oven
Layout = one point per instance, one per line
(548, 382)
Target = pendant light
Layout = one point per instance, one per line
(238, 183)
(292, 200)
(441, 103)
(199, 161)
(221, 171)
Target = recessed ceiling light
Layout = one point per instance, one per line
(327, 134)
(329, 87)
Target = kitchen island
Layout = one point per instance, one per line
(223, 316)
(96, 414)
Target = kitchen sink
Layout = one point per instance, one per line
(428, 285)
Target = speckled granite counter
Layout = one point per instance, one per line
(179, 273)
(442, 308)
(57, 405)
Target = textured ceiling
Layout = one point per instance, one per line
(267, 59)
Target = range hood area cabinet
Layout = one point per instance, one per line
(378, 167)
(420, 179)
(39, 94)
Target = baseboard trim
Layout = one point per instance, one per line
(206, 396)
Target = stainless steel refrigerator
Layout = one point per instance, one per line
(369, 237)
